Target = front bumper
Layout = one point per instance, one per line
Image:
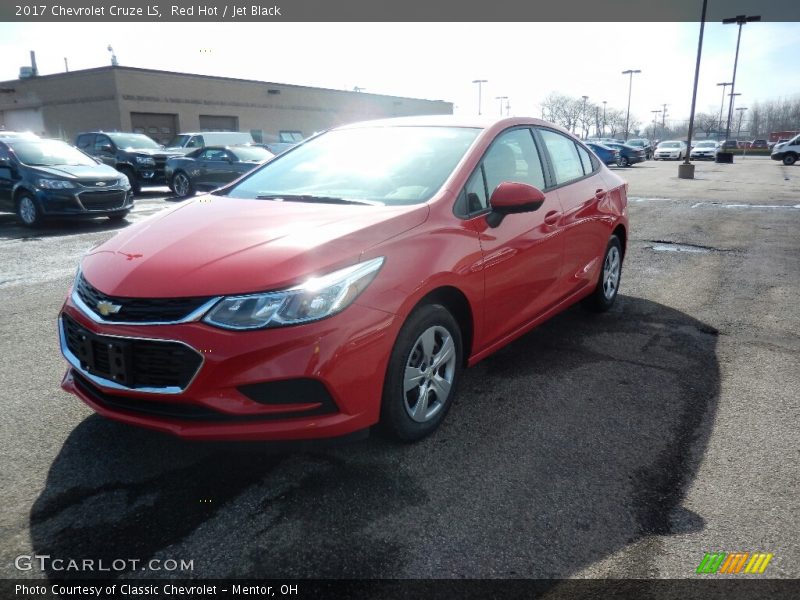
(777, 155)
(667, 155)
(703, 155)
(318, 380)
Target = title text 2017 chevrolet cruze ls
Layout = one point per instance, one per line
(344, 283)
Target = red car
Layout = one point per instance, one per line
(348, 281)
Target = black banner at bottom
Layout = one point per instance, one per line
(402, 589)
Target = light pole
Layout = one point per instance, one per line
(501, 98)
(480, 83)
(740, 110)
(686, 170)
(721, 106)
(739, 20)
(630, 87)
(730, 117)
(655, 112)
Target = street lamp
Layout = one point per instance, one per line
(740, 110)
(655, 112)
(730, 117)
(501, 98)
(721, 105)
(480, 83)
(739, 20)
(630, 87)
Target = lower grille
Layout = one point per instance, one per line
(131, 363)
(167, 410)
(105, 200)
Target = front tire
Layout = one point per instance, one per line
(182, 185)
(28, 211)
(789, 159)
(605, 292)
(136, 187)
(117, 217)
(423, 373)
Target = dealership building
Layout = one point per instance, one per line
(163, 103)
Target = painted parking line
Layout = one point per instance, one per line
(747, 206)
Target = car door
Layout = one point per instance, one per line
(214, 165)
(101, 151)
(522, 255)
(582, 192)
(8, 177)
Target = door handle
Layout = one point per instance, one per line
(552, 217)
(600, 194)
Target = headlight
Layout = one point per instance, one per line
(145, 160)
(55, 184)
(317, 298)
(124, 181)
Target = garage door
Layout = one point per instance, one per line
(218, 123)
(23, 119)
(159, 126)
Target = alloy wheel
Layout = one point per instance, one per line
(429, 372)
(611, 273)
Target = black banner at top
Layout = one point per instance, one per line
(397, 11)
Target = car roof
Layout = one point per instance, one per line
(480, 122)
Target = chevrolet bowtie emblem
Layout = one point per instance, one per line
(106, 308)
(100, 183)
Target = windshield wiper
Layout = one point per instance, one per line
(312, 198)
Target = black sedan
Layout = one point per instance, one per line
(212, 167)
(628, 155)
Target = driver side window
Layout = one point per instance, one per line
(513, 156)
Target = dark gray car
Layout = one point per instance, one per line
(212, 167)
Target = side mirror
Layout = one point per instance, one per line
(511, 198)
(107, 148)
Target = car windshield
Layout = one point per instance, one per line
(386, 165)
(252, 153)
(670, 144)
(133, 140)
(49, 153)
(179, 141)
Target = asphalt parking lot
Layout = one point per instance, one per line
(621, 445)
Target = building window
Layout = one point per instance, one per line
(290, 137)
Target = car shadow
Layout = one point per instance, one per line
(12, 229)
(572, 443)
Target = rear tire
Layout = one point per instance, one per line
(605, 292)
(423, 373)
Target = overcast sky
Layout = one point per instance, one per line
(524, 61)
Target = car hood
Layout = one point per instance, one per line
(215, 245)
(780, 146)
(96, 172)
(153, 151)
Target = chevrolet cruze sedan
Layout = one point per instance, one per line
(345, 283)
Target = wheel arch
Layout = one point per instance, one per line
(457, 304)
(622, 234)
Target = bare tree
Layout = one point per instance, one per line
(706, 122)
